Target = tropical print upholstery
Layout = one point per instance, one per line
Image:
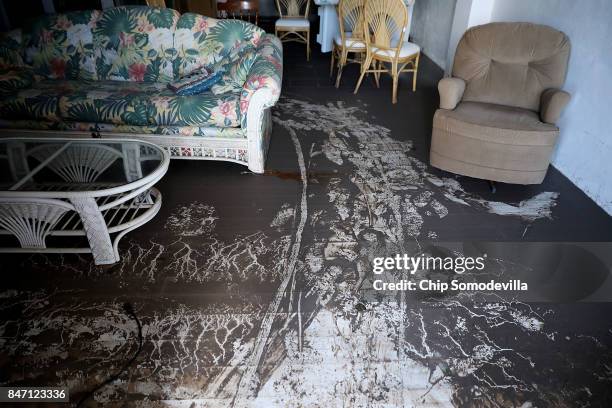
(121, 102)
(265, 72)
(111, 68)
(136, 44)
(203, 41)
(11, 49)
(61, 46)
(12, 79)
(204, 131)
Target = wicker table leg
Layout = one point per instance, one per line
(96, 230)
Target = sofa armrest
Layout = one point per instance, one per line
(451, 92)
(552, 103)
(266, 73)
(261, 91)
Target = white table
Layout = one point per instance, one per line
(98, 189)
(328, 24)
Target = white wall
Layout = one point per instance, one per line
(584, 153)
(468, 13)
(431, 27)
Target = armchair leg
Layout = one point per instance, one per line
(492, 186)
(333, 55)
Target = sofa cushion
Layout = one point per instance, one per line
(136, 44)
(204, 41)
(61, 46)
(31, 103)
(121, 103)
(168, 109)
(116, 102)
(13, 79)
(236, 73)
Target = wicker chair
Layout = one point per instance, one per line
(246, 10)
(384, 25)
(156, 3)
(293, 24)
(350, 40)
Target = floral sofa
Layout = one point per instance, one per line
(105, 74)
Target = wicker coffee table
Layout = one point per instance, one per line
(76, 195)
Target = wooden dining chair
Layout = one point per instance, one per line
(156, 3)
(351, 39)
(293, 24)
(386, 51)
(246, 10)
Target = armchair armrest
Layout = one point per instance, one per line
(552, 103)
(261, 91)
(451, 92)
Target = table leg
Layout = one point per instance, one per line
(96, 230)
(328, 28)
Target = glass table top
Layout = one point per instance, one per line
(28, 164)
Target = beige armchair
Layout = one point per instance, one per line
(498, 110)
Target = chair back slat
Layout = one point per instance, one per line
(385, 22)
(350, 16)
(293, 8)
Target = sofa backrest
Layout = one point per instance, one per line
(201, 40)
(136, 43)
(511, 63)
(61, 45)
(133, 43)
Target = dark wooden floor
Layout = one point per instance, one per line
(575, 218)
(241, 301)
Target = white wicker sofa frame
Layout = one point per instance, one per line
(250, 152)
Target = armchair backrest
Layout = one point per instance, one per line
(511, 63)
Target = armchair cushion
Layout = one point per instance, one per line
(492, 142)
(451, 91)
(552, 105)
